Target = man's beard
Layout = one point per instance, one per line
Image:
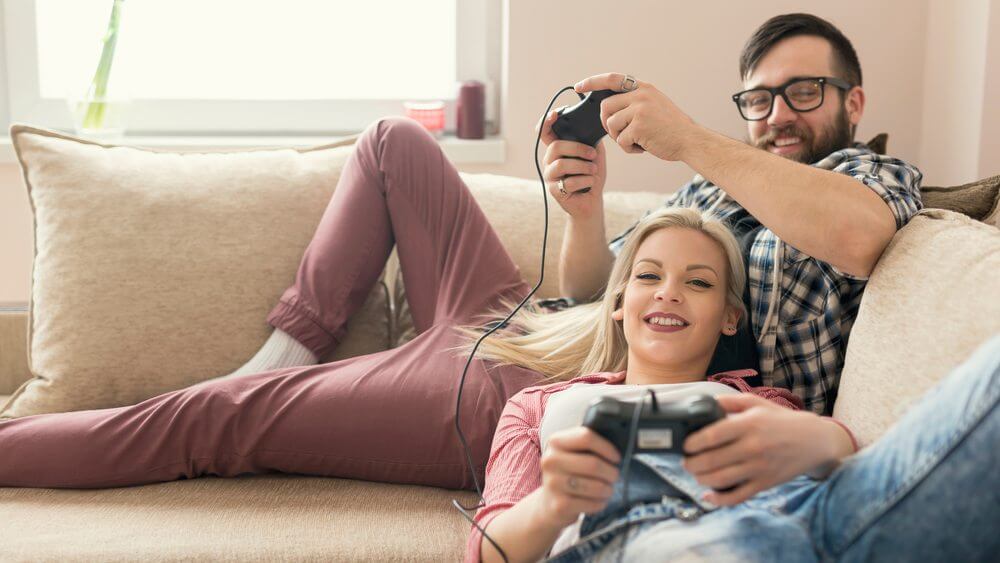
(833, 137)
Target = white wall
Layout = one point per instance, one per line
(690, 51)
(989, 143)
(954, 87)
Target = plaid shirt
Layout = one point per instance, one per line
(802, 348)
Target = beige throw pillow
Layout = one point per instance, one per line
(933, 298)
(154, 271)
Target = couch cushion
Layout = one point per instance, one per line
(931, 300)
(254, 518)
(156, 270)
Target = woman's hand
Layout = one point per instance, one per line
(579, 469)
(576, 174)
(760, 445)
(643, 119)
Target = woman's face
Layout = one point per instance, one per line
(674, 308)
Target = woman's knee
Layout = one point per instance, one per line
(396, 131)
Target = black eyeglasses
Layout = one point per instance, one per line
(801, 94)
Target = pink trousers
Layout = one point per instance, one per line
(387, 416)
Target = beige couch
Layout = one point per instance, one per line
(942, 266)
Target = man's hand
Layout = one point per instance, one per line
(760, 445)
(579, 470)
(643, 119)
(577, 174)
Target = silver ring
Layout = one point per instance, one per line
(629, 83)
(562, 187)
(573, 484)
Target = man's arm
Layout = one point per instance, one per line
(829, 216)
(585, 260)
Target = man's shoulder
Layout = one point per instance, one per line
(861, 158)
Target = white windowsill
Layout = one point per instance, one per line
(491, 150)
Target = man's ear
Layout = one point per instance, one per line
(618, 314)
(731, 321)
(855, 104)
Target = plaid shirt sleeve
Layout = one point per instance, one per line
(896, 182)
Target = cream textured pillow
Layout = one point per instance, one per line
(514, 208)
(933, 298)
(154, 271)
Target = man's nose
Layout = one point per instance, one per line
(781, 114)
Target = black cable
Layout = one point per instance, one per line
(629, 450)
(458, 402)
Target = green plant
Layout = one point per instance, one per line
(96, 93)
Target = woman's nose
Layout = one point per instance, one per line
(668, 293)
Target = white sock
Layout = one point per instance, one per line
(281, 350)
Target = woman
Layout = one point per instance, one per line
(674, 289)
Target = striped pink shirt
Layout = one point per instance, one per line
(514, 468)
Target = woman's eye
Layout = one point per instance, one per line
(647, 277)
(701, 283)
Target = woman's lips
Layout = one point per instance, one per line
(665, 328)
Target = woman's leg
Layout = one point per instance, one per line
(387, 416)
(928, 490)
(397, 187)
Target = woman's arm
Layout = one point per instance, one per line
(521, 531)
(530, 497)
(579, 469)
(760, 445)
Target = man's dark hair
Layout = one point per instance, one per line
(778, 28)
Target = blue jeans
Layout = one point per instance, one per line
(929, 490)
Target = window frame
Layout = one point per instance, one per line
(478, 54)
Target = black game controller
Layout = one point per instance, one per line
(660, 429)
(582, 122)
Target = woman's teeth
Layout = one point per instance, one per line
(665, 321)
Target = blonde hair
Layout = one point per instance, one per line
(585, 339)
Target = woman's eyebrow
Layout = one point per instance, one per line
(689, 268)
(702, 266)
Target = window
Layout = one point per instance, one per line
(251, 66)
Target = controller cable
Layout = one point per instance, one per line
(629, 450)
(541, 276)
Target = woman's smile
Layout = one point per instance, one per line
(665, 322)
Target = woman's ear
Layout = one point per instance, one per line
(618, 314)
(730, 321)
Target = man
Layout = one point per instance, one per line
(813, 209)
